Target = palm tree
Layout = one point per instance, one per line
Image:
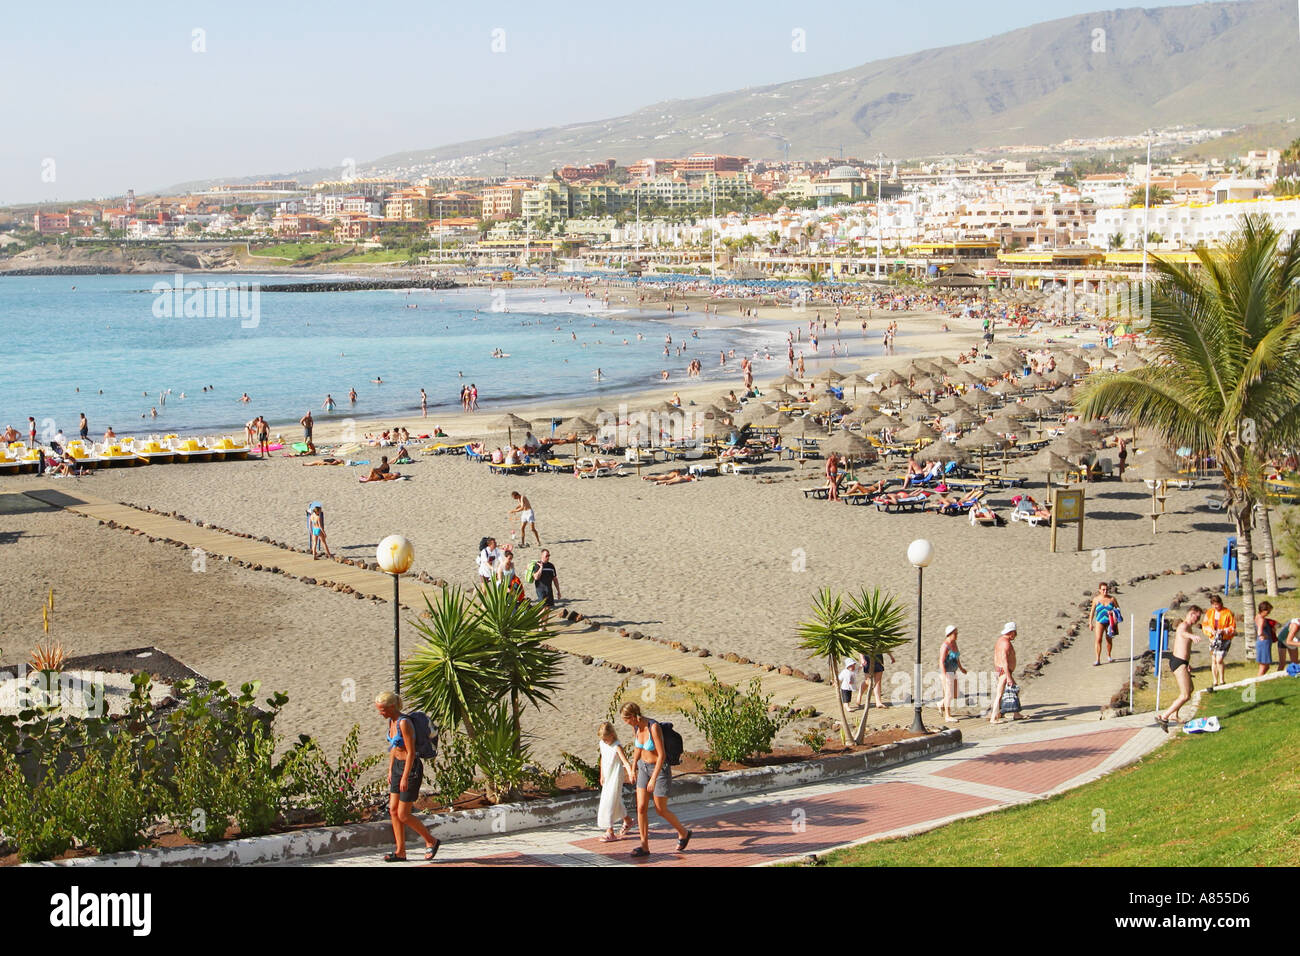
(451, 676)
(871, 623)
(516, 630)
(1229, 334)
(1116, 241)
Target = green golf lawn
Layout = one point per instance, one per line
(1225, 799)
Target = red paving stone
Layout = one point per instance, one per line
(760, 834)
(1041, 766)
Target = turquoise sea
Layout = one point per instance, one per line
(108, 346)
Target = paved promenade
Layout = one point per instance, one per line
(786, 825)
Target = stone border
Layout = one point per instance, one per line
(518, 817)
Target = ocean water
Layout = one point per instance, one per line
(108, 346)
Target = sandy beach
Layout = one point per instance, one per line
(729, 563)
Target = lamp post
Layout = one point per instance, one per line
(395, 555)
(919, 554)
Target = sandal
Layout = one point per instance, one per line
(640, 851)
(627, 828)
(394, 858)
(431, 851)
(681, 844)
(608, 838)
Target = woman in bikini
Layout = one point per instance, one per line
(317, 518)
(1105, 616)
(653, 776)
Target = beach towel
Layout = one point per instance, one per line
(1202, 725)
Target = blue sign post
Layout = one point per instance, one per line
(1158, 642)
(1231, 569)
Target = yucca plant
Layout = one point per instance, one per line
(1228, 378)
(517, 631)
(841, 629)
(452, 675)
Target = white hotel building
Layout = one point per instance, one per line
(1187, 225)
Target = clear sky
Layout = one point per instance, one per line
(97, 97)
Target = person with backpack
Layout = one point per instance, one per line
(410, 740)
(543, 577)
(658, 748)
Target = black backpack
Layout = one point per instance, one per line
(672, 743)
(426, 734)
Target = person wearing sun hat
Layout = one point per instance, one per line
(949, 665)
(1004, 663)
(847, 677)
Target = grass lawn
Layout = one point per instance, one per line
(1225, 799)
(377, 255)
(292, 250)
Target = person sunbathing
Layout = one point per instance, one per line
(944, 501)
(900, 497)
(403, 456)
(858, 488)
(1028, 506)
(981, 513)
(379, 471)
(323, 461)
(670, 478)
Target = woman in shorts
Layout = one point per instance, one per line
(405, 774)
(653, 776)
(1266, 637)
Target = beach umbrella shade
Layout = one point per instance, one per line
(1004, 425)
(578, 428)
(916, 432)
(927, 384)
(1063, 396)
(511, 424)
(830, 377)
(890, 378)
(1070, 448)
(1033, 380)
(919, 411)
(786, 381)
(828, 404)
(849, 445)
(981, 438)
(898, 393)
(778, 420)
(1048, 461)
(964, 377)
(950, 403)
(945, 363)
(755, 411)
(964, 418)
(856, 379)
(1016, 411)
(778, 395)
(1040, 403)
(881, 422)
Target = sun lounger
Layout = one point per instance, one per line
(556, 465)
(1216, 502)
(959, 507)
(820, 492)
(1025, 511)
(901, 505)
(735, 466)
(518, 469)
(700, 470)
(856, 497)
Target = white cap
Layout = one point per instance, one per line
(950, 629)
(850, 663)
(1008, 627)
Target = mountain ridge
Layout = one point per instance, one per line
(1220, 64)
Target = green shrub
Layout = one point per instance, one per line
(253, 780)
(38, 819)
(501, 757)
(814, 739)
(453, 768)
(590, 771)
(336, 791)
(200, 799)
(736, 726)
(117, 801)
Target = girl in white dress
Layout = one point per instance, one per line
(614, 769)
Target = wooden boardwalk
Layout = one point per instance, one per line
(579, 639)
